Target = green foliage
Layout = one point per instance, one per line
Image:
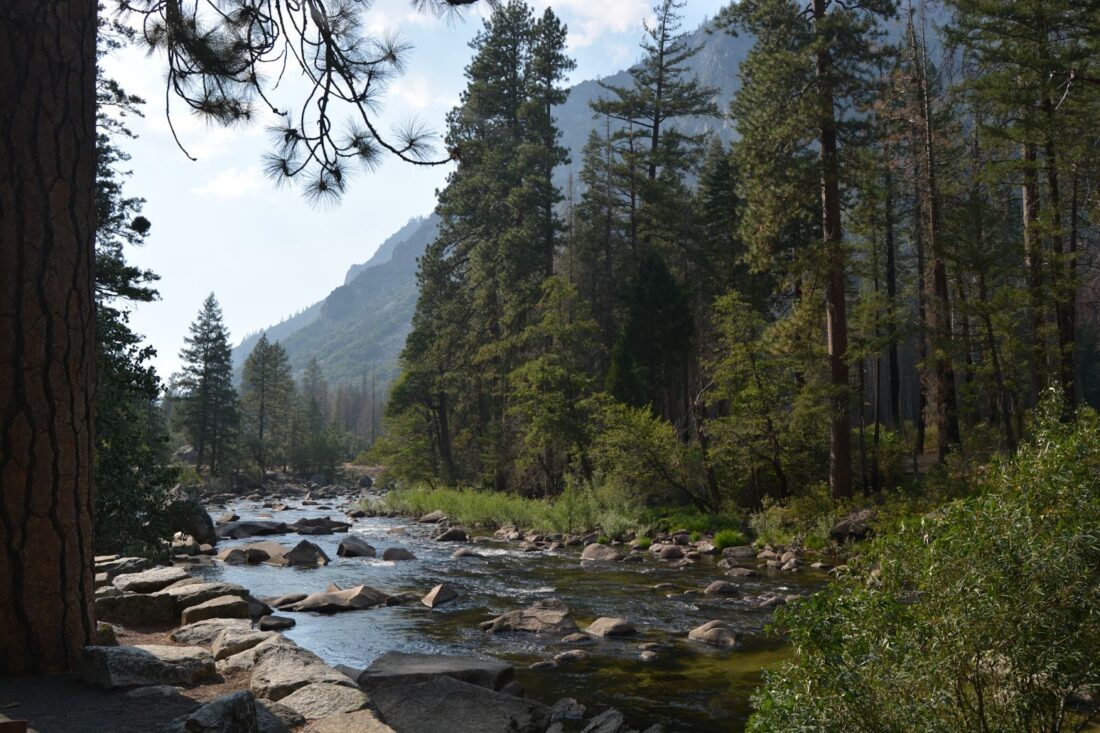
(268, 398)
(724, 538)
(981, 615)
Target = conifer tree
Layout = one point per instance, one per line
(208, 400)
(267, 389)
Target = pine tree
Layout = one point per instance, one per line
(267, 389)
(208, 400)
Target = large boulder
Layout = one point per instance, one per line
(855, 526)
(135, 609)
(233, 713)
(606, 626)
(338, 601)
(549, 616)
(715, 633)
(186, 596)
(250, 528)
(149, 581)
(245, 660)
(220, 607)
(204, 633)
(131, 666)
(306, 555)
(437, 596)
(322, 699)
(281, 669)
(254, 553)
(113, 565)
(355, 546)
(276, 718)
(600, 553)
(609, 721)
(319, 525)
(403, 669)
(394, 554)
(361, 721)
(722, 588)
(444, 703)
(454, 534)
(185, 513)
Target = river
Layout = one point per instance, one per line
(690, 687)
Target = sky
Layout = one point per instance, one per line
(220, 226)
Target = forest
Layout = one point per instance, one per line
(851, 320)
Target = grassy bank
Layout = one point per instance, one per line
(573, 511)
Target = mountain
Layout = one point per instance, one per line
(363, 323)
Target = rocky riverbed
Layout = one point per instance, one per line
(315, 608)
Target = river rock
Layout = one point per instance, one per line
(855, 526)
(253, 553)
(306, 555)
(464, 552)
(275, 623)
(203, 633)
(233, 713)
(352, 599)
(227, 518)
(273, 717)
(149, 581)
(606, 626)
(235, 640)
(571, 655)
(722, 588)
(402, 669)
(245, 660)
(567, 709)
(600, 553)
(549, 616)
(361, 721)
(251, 528)
(131, 666)
(322, 699)
(320, 525)
(284, 602)
(135, 609)
(447, 704)
(186, 596)
(437, 596)
(220, 607)
(433, 517)
(280, 669)
(715, 633)
(355, 546)
(397, 553)
(609, 721)
(454, 534)
(670, 552)
(185, 513)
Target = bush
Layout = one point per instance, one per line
(729, 538)
(643, 543)
(983, 615)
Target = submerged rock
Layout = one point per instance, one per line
(715, 633)
(606, 626)
(549, 616)
(351, 599)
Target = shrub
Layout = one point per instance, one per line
(983, 615)
(643, 543)
(728, 538)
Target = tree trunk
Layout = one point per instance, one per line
(892, 295)
(47, 330)
(1033, 261)
(836, 317)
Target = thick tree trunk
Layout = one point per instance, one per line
(836, 317)
(47, 327)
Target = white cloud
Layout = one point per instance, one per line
(416, 93)
(233, 183)
(589, 20)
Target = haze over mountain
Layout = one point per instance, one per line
(361, 326)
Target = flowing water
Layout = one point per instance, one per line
(690, 687)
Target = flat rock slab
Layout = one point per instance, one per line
(220, 607)
(235, 640)
(203, 633)
(447, 704)
(149, 581)
(400, 668)
(549, 616)
(606, 626)
(131, 666)
(322, 699)
(245, 529)
(361, 721)
(114, 565)
(280, 670)
(350, 599)
(135, 609)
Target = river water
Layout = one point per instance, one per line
(690, 687)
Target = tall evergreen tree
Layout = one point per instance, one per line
(207, 397)
(267, 391)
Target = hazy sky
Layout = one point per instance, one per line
(220, 226)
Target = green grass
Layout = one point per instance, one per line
(643, 543)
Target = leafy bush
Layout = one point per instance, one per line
(643, 543)
(728, 538)
(982, 615)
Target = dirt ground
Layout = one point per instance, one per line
(65, 704)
